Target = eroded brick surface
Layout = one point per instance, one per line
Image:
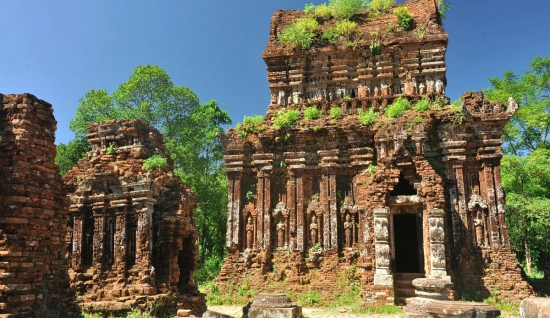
(330, 199)
(33, 211)
(132, 233)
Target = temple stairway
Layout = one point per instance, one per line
(403, 287)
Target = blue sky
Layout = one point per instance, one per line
(58, 50)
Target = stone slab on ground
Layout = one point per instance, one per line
(272, 305)
(538, 307)
(460, 309)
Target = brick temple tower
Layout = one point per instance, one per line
(397, 198)
(132, 232)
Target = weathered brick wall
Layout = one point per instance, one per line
(33, 219)
(133, 233)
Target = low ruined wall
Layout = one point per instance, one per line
(33, 205)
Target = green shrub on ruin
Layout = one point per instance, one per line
(254, 119)
(300, 33)
(380, 6)
(155, 162)
(404, 18)
(110, 150)
(285, 118)
(398, 107)
(422, 105)
(312, 113)
(367, 117)
(346, 9)
(321, 11)
(330, 35)
(335, 112)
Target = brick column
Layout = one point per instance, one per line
(493, 227)
(77, 240)
(505, 242)
(144, 235)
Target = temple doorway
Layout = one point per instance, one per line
(186, 263)
(407, 241)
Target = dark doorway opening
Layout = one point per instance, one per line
(186, 263)
(403, 187)
(406, 236)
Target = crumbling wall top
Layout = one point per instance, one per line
(426, 17)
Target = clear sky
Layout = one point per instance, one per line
(58, 50)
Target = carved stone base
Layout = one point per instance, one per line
(272, 305)
(383, 280)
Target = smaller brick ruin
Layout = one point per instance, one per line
(132, 233)
(33, 208)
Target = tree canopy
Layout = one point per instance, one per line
(526, 163)
(190, 134)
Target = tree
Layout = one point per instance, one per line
(526, 181)
(526, 164)
(529, 128)
(190, 134)
(71, 153)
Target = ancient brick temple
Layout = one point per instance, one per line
(328, 198)
(33, 210)
(132, 232)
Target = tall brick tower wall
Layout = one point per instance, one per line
(33, 210)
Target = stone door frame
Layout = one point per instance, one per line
(434, 237)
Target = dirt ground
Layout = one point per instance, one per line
(237, 311)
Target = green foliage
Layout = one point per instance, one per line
(529, 128)
(526, 181)
(71, 153)
(418, 119)
(346, 9)
(300, 33)
(345, 30)
(380, 6)
(371, 168)
(249, 125)
(422, 105)
(155, 162)
(110, 150)
(285, 118)
(443, 6)
(330, 35)
(367, 117)
(396, 109)
(312, 297)
(209, 270)
(439, 102)
(392, 27)
(228, 294)
(190, 132)
(321, 11)
(312, 113)
(249, 195)
(335, 112)
(375, 47)
(421, 30)
(254, 119)
(404, 18)
(241, 133)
